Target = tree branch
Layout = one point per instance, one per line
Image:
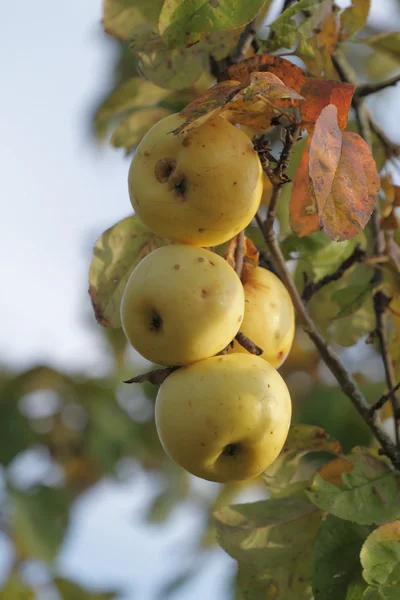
(383, 399)
(371, 88)
(312, 287)
(332, 360)
(380, 304)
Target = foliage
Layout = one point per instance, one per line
(329, 526)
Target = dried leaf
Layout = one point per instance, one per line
(353, 18)
(332, 472)
(289, 73)
(303, 206)
(250, 257)
(323, 44)
(270, 87)
(346, 194)
(318, 93)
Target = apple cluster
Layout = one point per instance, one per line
(224, 414)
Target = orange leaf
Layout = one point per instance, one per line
(303, 207)
(318, 93)
(346, 195)
(332, 471)
(288, 72)
(396, 195)
(390, 223)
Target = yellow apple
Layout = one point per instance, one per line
(225, 418)
(182, 304)
(199, 188)
(269, 318)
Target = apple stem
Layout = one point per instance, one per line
(247, 343)
(155, 377)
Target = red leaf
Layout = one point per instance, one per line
(318, 93)
(345, 194)
(303, 208)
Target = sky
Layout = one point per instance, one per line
(58, 194)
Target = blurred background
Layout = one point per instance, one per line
(90, 506)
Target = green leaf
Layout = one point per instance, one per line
(350, 299)
(353, 18)
(121, 16)
(272, 541)
(16, 589)
(380, 554)
(116, 253)
(387, 43)
(39, 521)
(131, 94)
(369, 493)
(131, 130)
(336, 557)
(296, 24)
(184, 22)
(72, 591)
(356, 589)
(301, 441)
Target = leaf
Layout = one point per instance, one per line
(353, 18)
(319, 93)
(303, 206)
(292, 75)
(336, 557)
(131, 94)
(296, 24)
(131, 130)
(185, 22)
(117, 251)
(16, 589)
(346, 194)
(302, 441)
(250, 257)
(272, 541)
(387, 43)
(73, 591)
(121, 16)
(322, 44)
(380, 559)
(369, 492)
(351, 298)
(39, 521)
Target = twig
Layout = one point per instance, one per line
(312, 287)
(371, 88)
(332, 360)
(383, 399)
(380, 304)
(247, 343)
(239, 253)
(155, 377)
(244, 44)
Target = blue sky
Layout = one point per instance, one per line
(58, 193)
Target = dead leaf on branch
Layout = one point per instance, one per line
(292, 75)
(345, 183)
(303, 207)
(319, 93)
(252, 104)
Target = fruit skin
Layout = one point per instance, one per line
(199, 188)
(182, 304)
(235, 402)
(269, 318)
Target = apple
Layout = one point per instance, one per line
(200, 188)
(225, 418)
(269, 318)
(182, 304)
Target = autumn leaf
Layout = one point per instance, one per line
(323, 44)
(303, 208)
(344, 178)
(353, 18)
(250, 257)
(318, 93)
(292, 75)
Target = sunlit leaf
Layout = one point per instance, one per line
(319, 93)
(344, 177)
(336, 560)
(184, 22)
(380, 558)
(117, 251)
(387, 43)
(353, 18)
(369, 492)
(131, 130)
(272, 541)
(121, 16)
